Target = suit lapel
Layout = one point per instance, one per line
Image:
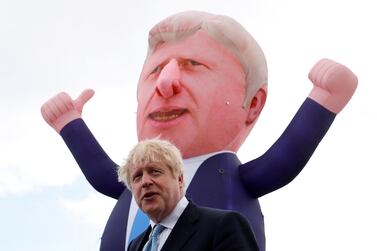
(183, 230)
(138, 243)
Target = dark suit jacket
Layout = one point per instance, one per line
(205, 229)
(221, 181)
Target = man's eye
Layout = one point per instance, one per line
(156, 172)
(136, 178)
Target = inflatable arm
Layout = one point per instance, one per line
(63, 114)
(98, 168)
(333, 86)
(289, 154)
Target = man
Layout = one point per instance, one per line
(202, 87)
(154, 174)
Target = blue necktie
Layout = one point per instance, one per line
(153, 241)
(140, 223)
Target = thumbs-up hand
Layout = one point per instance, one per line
(62, 109)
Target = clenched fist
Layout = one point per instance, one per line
(334, 84)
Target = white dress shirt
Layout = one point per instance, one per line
(169, 221)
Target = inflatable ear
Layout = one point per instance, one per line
(257, 104)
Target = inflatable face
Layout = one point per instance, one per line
(186, 91)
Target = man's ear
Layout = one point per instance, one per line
(256, 105)
(181, 181)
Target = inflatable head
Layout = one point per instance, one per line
(203, 83)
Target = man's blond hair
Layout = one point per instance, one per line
(151, 152)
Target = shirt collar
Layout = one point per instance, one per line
(170, 220)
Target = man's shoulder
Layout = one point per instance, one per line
(219, 212)
(216, 213)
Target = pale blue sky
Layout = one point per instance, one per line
(51, 46)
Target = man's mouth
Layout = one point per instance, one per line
(167, 115)
(148, 195)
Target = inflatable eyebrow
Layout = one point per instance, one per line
(221, 180)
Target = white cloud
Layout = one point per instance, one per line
(35, 156)
(94, 209)
(31, 155)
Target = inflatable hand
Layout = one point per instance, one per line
(62, 109)
(334, 84)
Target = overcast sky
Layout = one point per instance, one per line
(51, 46)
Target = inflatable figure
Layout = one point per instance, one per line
(202, 87)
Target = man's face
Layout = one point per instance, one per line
(191, 93)
(156, 190)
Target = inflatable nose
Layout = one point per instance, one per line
(168, 82)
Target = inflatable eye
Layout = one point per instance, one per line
(193, 62)
(156, 69)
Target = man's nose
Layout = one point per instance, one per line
(168, 82)
(146, 180)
